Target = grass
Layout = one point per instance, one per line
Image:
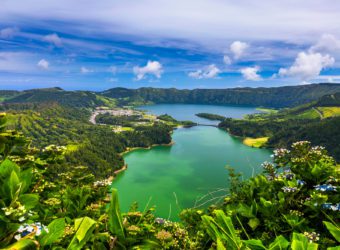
(329, 111)
(308, 114)
(267, 110)
(72, 148)
(255, 142)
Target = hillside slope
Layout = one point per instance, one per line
(287, 96)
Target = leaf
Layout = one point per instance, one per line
(24, 244)
(115, 218)
(26, 179)
(29, 200)
(253, 223)
(225, 223)
(13, 184)
(220, 245)
(6, 168)
(300, 242)
(255, 244)
(55, 231)
(279, 243)
(334, 230)
(84, 228)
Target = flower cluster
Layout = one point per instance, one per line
(325, 187)
(300, 182)
(102, 183)
(27, 229)
(287, 174)
(164, 235)
(334, 207)
(299, 144)
(289, 189)
(296, 212)
(281, 152)
(312, 236)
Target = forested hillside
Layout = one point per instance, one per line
(279, 97)
(318, 122)
(75, 99)
(96, 147)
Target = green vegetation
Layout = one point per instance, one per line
(96, 147)
(212, 117)
(329, 111)
(293, 204)
(169, 120)
(278, 97)
(318, 124)
(75, 99)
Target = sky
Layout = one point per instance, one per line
(96, 45)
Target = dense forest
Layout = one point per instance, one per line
(278, 97)
(95, 147)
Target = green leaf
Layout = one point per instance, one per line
(24, 244)
(253, 223)
(29, 200)
(6, 168)
(300, 242)
(115, 218)
(26, 179)
(334, 230)
(220, 245)
(55, 231)
(13, 184)
(255, 244)
(84, 228)
(279, 243)
(334, 248)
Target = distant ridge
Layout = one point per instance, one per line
(285, 96)
(278, 97)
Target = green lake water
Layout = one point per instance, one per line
(189, 173)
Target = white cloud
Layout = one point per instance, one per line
(112, 69)
(54, 39)
(8, 33)
(238, 48)
(152, 68)
(251, 73)
(43, 64)
(226, 60)
(85, 70)
(307, 65)
(326, 43)
(217, 20)
(211, 71)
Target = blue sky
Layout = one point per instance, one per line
(97, 45)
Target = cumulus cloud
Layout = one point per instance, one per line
(308, 65)
(238, 48)
(226, 60)
(152, 68)
(43, 64)
(85, 70)
(211, 71)
(251, 73)
(326, 43)
(54, 39)
(8, 33)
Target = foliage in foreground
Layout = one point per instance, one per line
(293, 205)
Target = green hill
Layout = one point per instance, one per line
(287, 96)
(75, 99)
